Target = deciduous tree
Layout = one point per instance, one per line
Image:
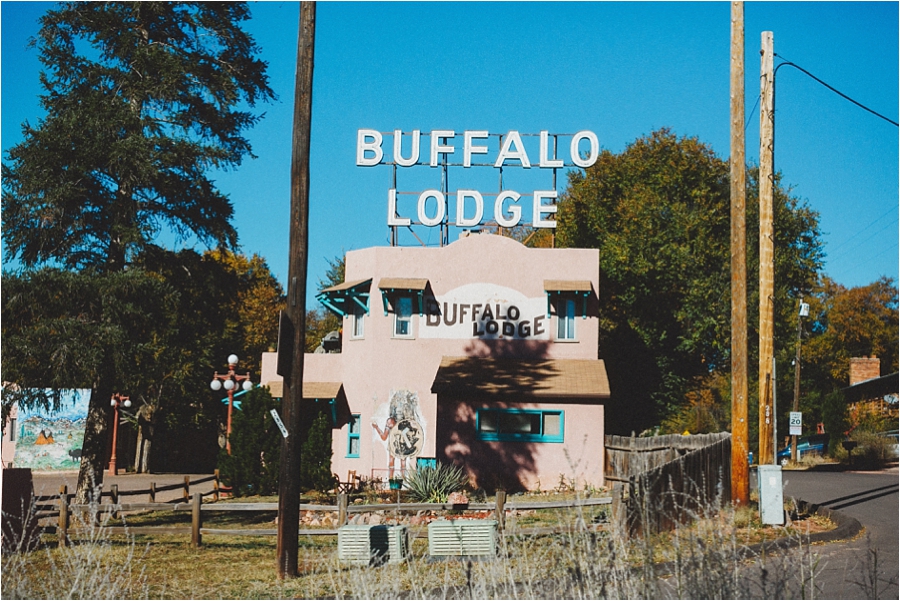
(659, 214)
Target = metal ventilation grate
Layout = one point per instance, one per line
(372, 545)
(462, 537)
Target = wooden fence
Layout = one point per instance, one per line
(627, 457)
(342, 508)
(695, 480)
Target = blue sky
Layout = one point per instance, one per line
(621, 70)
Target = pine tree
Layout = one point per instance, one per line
(252, 468)
(142, 100)
(315, 456)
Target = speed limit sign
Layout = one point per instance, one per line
(796, 423)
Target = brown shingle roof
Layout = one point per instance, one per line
(311, 390)
(570, 378)
(345, 286)
(567, 286)
(403, 283)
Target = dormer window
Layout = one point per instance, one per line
(565, 318)
(404, 297)
(403, 317)
(566, 298)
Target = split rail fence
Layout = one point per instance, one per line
(198, 508)
(669, 480)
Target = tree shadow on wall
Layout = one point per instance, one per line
(500, 374)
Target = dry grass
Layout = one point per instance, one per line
(708, 559)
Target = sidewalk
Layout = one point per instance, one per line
(48, 483)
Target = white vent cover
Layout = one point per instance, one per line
(372, 545)
(462, 537)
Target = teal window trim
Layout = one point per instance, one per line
(553, 295)
(565, 326)
(351, 435)
(332, 409)
(519, 436)
(342, 301)
(389, 296)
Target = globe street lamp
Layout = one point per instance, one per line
(229, 382)
(117, 399)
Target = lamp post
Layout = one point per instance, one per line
(229, 381)
(117, 399)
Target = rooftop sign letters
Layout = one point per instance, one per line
(471, 149)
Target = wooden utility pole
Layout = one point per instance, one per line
(289, 477)
(766, 248)
(740, 472)
(796, 407)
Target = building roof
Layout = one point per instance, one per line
(311, 390)
(403, 283)
(567, 286)
(346, 286)
(872, 389)
(545, 378)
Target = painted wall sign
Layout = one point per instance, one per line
(486, 312)
(470, 204)
(49, 440)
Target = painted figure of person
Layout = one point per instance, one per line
(383, 434)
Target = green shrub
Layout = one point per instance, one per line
(433, 484)
(872, 451)
(315, 456)
(254, 463)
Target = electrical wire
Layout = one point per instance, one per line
(833, 89)
(851, 238)
(753, 110)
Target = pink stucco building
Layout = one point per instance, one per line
(482, 353)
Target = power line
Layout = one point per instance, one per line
(833, 89)
(851, 238)
(860, 243)
(753, 110)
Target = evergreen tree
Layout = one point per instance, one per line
(252, 468)
(142, 100)
(315, 455)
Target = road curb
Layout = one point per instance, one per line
(847, 527)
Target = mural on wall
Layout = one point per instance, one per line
(403, 431)
(51, 441)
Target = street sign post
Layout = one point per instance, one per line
(796, 423)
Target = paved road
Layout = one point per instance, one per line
(871, 498)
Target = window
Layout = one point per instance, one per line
(353, 436)
(403, 317)
(565, 319)
(523, 425)
(358, 326)
(13, 433)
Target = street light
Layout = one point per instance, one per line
(229, 382)
(117, 399)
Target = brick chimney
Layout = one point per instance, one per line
(864, 368)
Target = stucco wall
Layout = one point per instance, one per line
(477, 266)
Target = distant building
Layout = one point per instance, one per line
(870, 392)
(482, 353)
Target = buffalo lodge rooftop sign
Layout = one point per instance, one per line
(470, 149)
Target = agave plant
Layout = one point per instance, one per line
(434, 483)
